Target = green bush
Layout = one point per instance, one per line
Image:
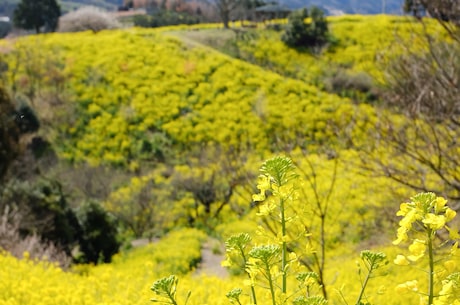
(359, 86)
(310, 35)
(27, 120)
(44, 211)
(98, 241)
(9, 132)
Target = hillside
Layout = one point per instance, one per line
(183, 133)
(151, 112)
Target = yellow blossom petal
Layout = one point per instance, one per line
(453, 233)
(401, 260)
(263, 183)
(454, 249)
(402, 236)
(407, 287)
(439, 204)
(417, 250)
(226, 263)
(450, 265)
(434, 222)
(404, 208)
(258, 197)
(266, 209)
(450, 214)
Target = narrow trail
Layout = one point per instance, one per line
(211, 261)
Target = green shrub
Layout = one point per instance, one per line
(310, 35)
(9, 132)
(98, 241)
(27, 120)
(359, 86)
(44, 211)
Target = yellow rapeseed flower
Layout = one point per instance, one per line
(401, 260)
(226, 263)
(258, 197)
(450, 214)
(402, 236)
(407, 221)
(263, 184)
(450, 265)
(266, 209)
(404, 208)
(407, 287)
(439, 204)
(454, 249)
(434, 222)
(417, 249)
(453, 233)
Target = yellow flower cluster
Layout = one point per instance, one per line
(424, 216)
(131, 84)
(362, 40)
(428, 211)
(125, 281)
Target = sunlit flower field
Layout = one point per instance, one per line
(136, 88)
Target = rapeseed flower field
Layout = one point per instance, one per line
(133, 93)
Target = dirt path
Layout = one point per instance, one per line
(211, 262)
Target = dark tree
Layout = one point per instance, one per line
(414, 7)
(44, 211)
(35, 14)
(214, 188)
(311, 35)
(9, 133)
(442, 10)
(225, 8)
(98, 241)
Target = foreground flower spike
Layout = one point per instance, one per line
(276, 173)
(425, 209)
(165, 288)
(278, 176)
(423, 219)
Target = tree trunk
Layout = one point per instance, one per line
(225, 18)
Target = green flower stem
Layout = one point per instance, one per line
(270, 281)
(363, 287)
(284, 246)
(253, 291)
(172, 299)
(323, 253)
(431, 266)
